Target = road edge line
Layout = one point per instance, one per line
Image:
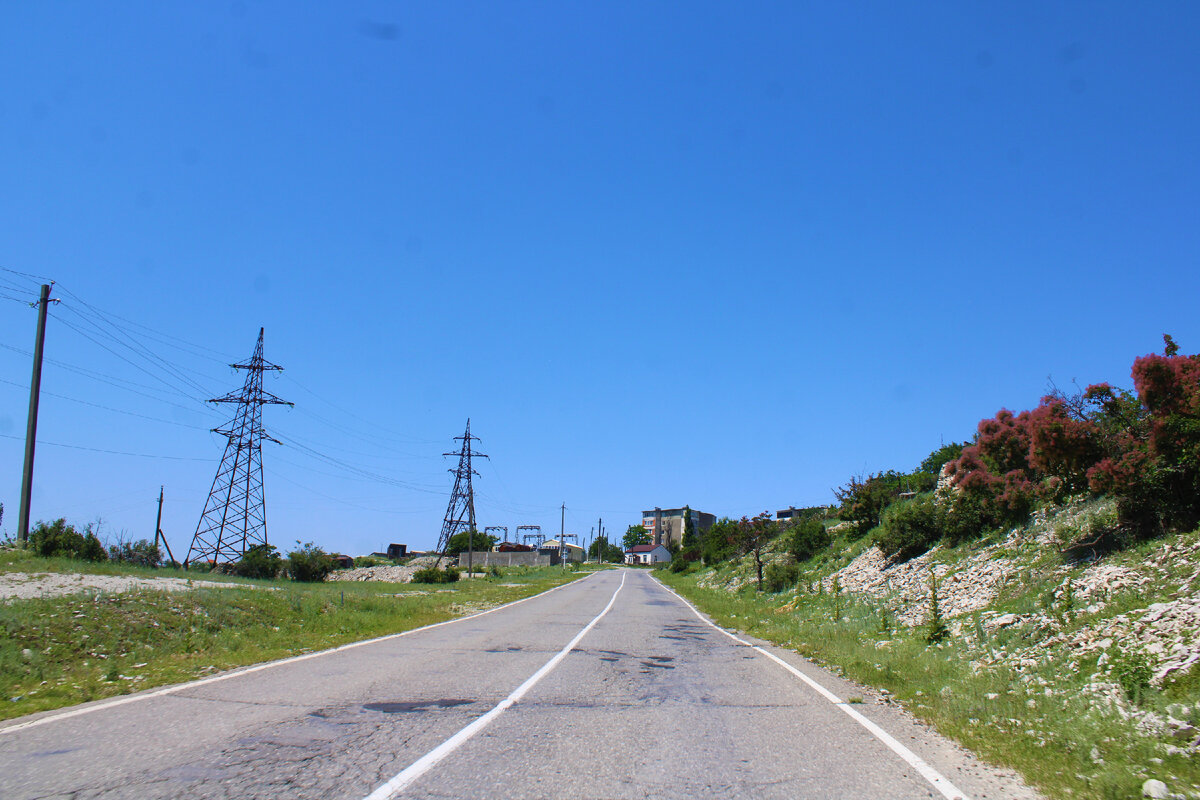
(931, 775)
(415, 770)
(79, 711)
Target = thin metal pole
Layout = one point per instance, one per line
(562, 526)
(35, 390)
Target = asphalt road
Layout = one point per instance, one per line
(651, 701)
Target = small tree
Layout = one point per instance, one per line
(718, 543)
(142, 553)
(309, 563)
(604, 550)
(936, 628)
(864, 499)
(688, 542)
(464, 540)
(635, 535)
(58, 539)
(808, 537)
(260, 561)
(752, 537)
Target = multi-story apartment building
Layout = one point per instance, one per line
(666, 524)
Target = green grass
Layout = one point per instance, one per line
(20, 560)
(1065, 744)
(59, 651)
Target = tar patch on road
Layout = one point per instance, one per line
(415, 706)
(683, 631)
(659, 662)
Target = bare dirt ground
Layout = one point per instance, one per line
(26, 585)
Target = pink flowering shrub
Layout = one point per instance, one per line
(1143, 449)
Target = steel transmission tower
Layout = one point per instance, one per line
(235, 514)
(460, 514)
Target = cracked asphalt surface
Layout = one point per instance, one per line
(653, 703)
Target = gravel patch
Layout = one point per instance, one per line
(395, 574)
(27, 585)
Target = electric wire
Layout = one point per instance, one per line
(141, 351)
(341, 500)
(134, 364)
(41, 442)
(106, 408)
(37, 278)
(183, 344)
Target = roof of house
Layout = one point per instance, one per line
(643, 548)
(554, 543)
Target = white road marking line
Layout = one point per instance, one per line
(426, 762)
(939, 781)
(134, 698)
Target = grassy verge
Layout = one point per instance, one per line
(1036, 719)
(59, 651)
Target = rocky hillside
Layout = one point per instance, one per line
(1110, 642)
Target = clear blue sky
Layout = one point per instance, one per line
(723, 255)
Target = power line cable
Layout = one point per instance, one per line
(106, 408)
(101, 450)
(111, 380)
(217, 355)
(343, 501)
(36, 278)
(141, 350)
(374, 427)
(134, 364)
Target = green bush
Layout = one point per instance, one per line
(309, 563)
(808, 537)
(909, 528)
(779, 577)
(260, 561)
(142, 553)
(58, 539)
(1131, 669)
(964, 519)
(435, 575)
(717, 543)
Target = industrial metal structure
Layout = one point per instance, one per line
(235, 514)
(490, 528)
(460, 513)
(536, 536)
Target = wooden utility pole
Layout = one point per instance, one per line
(158, 528)
(158, 522)
(35, 390)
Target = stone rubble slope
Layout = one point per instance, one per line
(392, 574)
(1167, 632)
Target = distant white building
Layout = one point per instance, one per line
(647, 554)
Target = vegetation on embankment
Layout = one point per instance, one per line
(1074, 721)
(1033, 592)
(58, 651)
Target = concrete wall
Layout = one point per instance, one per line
(526, 559)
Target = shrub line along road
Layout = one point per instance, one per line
(608, 687)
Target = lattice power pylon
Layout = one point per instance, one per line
(460, 514)
(235, 514)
